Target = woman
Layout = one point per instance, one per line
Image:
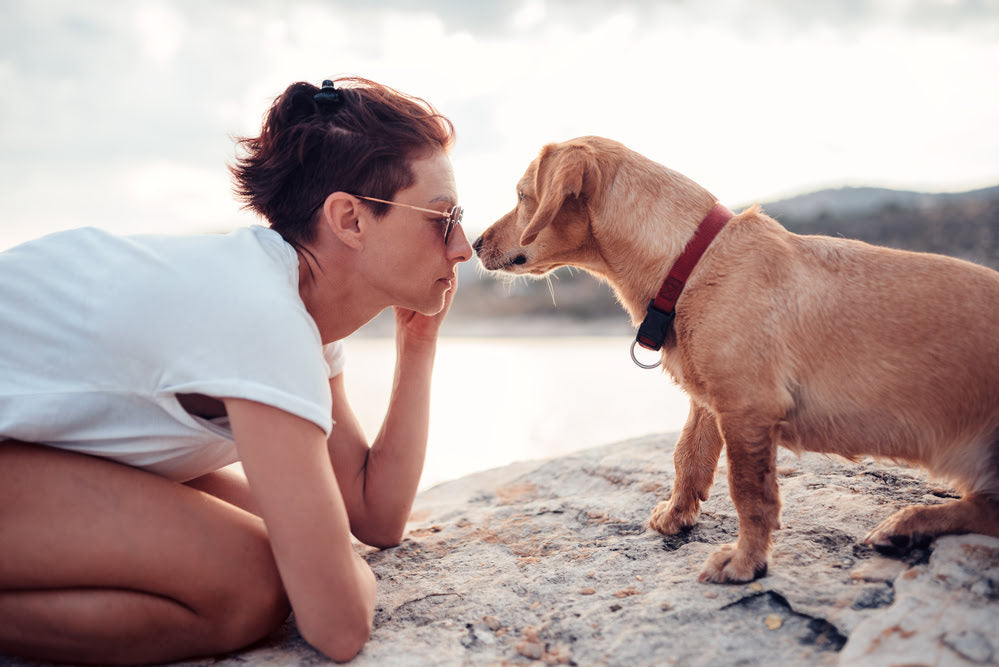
(134, 369)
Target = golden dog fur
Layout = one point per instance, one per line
(817, 344)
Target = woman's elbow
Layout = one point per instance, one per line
(340, 628)
(381, 537)
(386, 540)
(342, 642)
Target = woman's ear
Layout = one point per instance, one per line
(341, 214)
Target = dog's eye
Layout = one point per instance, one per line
(520, 195)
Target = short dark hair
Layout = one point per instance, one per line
(363, 145)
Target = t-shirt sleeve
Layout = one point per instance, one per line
(249, 336)
(334, 355)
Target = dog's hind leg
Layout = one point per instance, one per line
(752, 475)
(695, 460)
(917, 525)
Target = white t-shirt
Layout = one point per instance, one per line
(99, 333)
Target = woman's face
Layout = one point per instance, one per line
(408, 259)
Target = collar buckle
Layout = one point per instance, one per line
(652, 332)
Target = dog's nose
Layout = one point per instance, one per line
(477, 246)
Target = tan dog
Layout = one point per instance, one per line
(814, 343)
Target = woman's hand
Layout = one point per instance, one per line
(417, 327)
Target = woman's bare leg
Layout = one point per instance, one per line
(106, 563)
(230, 485)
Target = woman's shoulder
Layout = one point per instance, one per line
(64, 240)
(247, 259)
(271, 243)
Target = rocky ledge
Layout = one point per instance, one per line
(550, 561)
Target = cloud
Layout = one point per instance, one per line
(508, 18)
(160, 29)
(751, 97)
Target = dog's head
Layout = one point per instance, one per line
(597, 205)
(551, 224)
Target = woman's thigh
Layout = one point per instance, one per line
(230, 485)
(77, 524)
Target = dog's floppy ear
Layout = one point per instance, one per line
(563, 172)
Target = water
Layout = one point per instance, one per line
(499, 400)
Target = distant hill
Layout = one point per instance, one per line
(964, 225)
(849, 202)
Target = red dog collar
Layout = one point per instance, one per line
(662, 309)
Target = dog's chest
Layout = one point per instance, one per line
(672, 367)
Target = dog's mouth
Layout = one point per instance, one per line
(518, 260)
(514, 260)
(493, 260)
(510, 264)
(517, 265)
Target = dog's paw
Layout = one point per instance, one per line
(669, 519)
(729, 565)
(899, 533)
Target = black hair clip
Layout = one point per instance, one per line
(329, 98)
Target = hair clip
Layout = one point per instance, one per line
(328, 97)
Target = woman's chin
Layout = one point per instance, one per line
(431, 309)
(429, 306)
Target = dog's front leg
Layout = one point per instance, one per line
(695, 460)
(752, 476)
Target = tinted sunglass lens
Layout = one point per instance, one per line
(453, 219)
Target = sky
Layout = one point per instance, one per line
(122, 113)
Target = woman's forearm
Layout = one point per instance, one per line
(395, 460)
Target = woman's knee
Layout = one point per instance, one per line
(255, 616)
(252, 603)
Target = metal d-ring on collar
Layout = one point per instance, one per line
(639, 363)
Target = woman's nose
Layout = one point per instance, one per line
(458, 246)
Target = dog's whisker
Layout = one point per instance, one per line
(509, 281)
(551, 288)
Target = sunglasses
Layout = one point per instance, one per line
(450, 218)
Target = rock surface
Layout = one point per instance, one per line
(550, 561)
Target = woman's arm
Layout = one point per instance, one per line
(379, 483)
(331, 589)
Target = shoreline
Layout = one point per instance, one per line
(511, 326)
